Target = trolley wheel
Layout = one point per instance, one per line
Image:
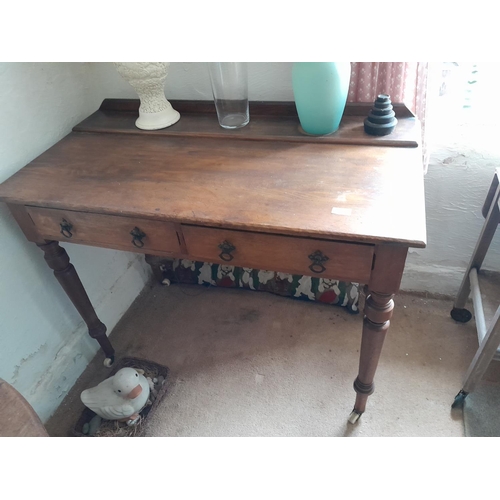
(459, 399)
(461, 315)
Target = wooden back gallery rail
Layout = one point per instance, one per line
(345, 206)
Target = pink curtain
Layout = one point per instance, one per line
(405, 82)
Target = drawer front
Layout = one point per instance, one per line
(109, 231)
(311, 257)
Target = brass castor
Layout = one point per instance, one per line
(354, 417)
(108, 362)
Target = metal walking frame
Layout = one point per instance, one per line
(488, 332)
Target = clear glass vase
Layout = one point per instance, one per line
(230, 90)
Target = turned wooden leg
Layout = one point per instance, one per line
(58, 260)
(378, 311)
(379, 305)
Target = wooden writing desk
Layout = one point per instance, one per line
(346, 206)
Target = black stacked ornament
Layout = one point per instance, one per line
(381, 120)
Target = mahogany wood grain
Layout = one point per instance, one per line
(58, 260)
(25, 222)
(388, 266)
(268, 122)
(385, 279)
(106, 230)
(275, 194)
(265, 108)
(378, 311)
(280, 253)
(280, 187)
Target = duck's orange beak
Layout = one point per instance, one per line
(134, 392)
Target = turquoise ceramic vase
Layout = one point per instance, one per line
(320, 90)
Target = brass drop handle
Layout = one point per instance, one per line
(66, 228)
(226, 248)
(138, 235)
(317, 259)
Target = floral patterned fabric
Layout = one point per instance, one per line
(324, 290)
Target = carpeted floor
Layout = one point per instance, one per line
(245, 363)
(482, 410)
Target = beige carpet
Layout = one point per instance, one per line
(246, 363)
(482, 410)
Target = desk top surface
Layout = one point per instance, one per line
(348, 186)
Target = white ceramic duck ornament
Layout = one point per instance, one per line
(120, 397)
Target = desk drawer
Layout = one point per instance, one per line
(105, 230)
(311, 257)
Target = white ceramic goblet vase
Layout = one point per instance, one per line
(148, 80)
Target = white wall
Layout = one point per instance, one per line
(44, 344)
(266, 81)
